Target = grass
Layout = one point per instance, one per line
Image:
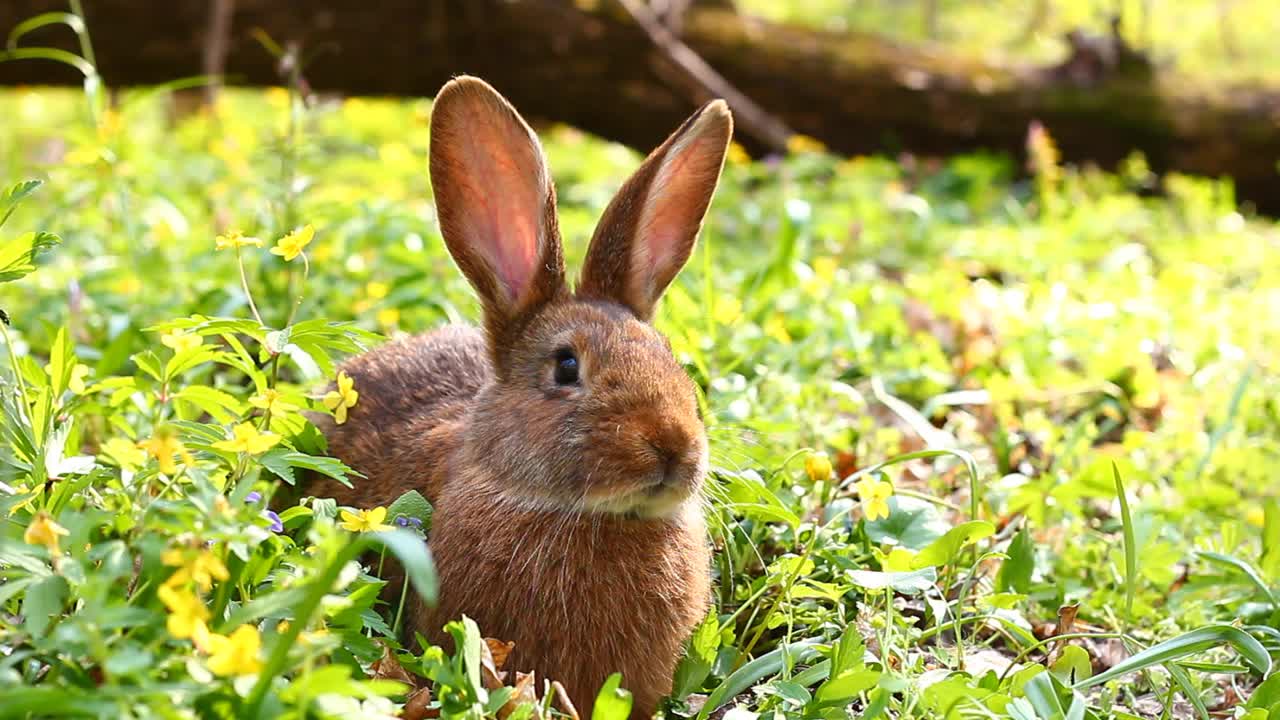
(1069, 386)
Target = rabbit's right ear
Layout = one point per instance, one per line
(495, 201)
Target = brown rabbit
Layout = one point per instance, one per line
(562, 447)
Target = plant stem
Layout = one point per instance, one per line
(244, 284)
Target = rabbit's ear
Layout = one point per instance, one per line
(495, 200)
(648, 231)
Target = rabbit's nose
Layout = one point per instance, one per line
(669, 460)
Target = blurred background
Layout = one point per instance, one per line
(1190, 84)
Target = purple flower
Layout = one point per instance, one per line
(276, 525)
(253, 497)
(405, 521)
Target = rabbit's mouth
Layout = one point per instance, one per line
(662, 493)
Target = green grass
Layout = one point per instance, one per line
(1008, 355)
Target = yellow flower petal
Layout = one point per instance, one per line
(44, 531)
(818, 467)
(236, 654)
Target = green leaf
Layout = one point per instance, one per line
(752, 672)
(700, 654)
(413, 554)
(842, 688)
(907, 583)
(1019, 567)
(1270, 560)
(792, 693)
(1073, 665)
(280, 462)
(912, 523)
(45, 598)
(1267, 694)
(18, 256)
(1043, 696)
(946, 549)
(1246, 569)
(61, 361)
(17, 193)
(1130, 545)
(221, 406)
(148, 363)
(412, 505)
(613, 702)
(1187, 644)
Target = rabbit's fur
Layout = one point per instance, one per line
(568, 516)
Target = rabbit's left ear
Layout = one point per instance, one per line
(647, 233)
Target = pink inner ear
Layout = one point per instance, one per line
(504, 188)
(673, 210)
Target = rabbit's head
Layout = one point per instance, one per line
(589, 409)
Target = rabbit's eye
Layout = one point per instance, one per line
(566, 367)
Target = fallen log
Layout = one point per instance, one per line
(588, 64)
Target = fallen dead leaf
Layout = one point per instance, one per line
(525, 692)
(562, 700)
(500, 651)
(490, 676)
(418, 706)
(388, 667)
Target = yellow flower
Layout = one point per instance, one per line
(389, 317)
(804, 144)
(44, 531)
(272, 401)
(776, 329)
(126, 454)
(291, 245)
(181, 340)
(236, 654)
(308, 637)
(235, 239)
(875, 496)
(737, 154)
(818, 466)
(344, 397)
(727, 309)
(203, 567)
(365, 520)
(187, 615)
(1255, 516)
(248, 439)
(277, 96)
(165, 447)
(376, 290)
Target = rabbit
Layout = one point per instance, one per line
(562, 445)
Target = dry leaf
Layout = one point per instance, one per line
(563, 702)
(500, 651)
(1066, 625)
(525, 693)
(388, 667)
(418, 706)
(489, 675)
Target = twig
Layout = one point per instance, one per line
(216, 45)
(749, 116)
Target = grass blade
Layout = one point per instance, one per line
(749, 674)
(1184, 645)
(1130, 547)
(1246, 569)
